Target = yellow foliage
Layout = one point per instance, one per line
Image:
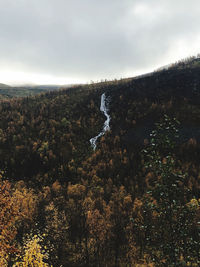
(75, 190)
(27, 202)
(193, 204)
(3, 259)
(9, 211)
(33, 256)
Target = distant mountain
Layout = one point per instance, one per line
(7, 92)
(3, 86)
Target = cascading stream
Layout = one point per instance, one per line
(106, 126)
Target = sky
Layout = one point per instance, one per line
(79, 41)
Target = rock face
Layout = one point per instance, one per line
(106, 126)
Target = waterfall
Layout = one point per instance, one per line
(106, 126)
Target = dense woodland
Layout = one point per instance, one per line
(134, 201)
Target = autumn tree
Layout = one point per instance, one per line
(17, 209)
(34, 254)
(120, 206)
(99, 227)
(52, 206)
(9, 210)
(76, 222)
(167, 232)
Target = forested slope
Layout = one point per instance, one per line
(104, 207)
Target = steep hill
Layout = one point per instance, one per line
(108, 206)
(67, 119)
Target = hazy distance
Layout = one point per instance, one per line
(65, 41)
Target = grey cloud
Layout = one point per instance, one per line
(93, 39)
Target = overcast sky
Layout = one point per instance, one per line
(69, 41)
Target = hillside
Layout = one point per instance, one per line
(3, 86)
(107, 207)
(7, 92)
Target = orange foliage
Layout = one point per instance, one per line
(9, 210)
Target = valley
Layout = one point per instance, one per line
(94, 171)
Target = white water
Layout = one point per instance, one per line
(106, 126)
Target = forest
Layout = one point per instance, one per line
(133, 201)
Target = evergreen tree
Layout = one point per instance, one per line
(170, 232)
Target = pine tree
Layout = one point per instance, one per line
(168, 224)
